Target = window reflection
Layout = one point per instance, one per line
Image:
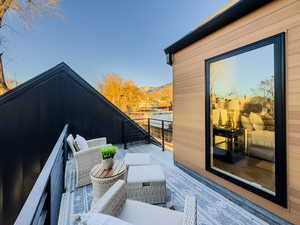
(242, 117)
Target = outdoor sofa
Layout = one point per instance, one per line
(115, 203)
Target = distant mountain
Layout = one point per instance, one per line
(155, 89)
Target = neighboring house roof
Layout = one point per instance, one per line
(228, 14)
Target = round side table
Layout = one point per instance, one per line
(103, 179)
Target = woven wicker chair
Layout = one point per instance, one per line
(85, 160)
(146, 184)
(115, 203)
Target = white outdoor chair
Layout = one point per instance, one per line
(115, 203)
(86, 159)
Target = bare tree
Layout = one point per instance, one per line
(25, 9)
(267, 87)
(3, 86)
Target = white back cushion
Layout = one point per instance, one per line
(81, 142)
(246, 123)
(256, 121)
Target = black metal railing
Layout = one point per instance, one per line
(130, 133)
(43, 203)
(158, 132)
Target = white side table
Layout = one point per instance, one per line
(146, 183)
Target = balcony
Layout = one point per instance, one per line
(38, 185)
(54, 198)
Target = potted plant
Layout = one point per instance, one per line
(108, 153)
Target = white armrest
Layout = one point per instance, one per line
(112, 201)
(97, 142)
(190, 211)
(85, 160)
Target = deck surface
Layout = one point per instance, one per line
(213, 208)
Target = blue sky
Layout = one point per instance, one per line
(243, 72)
(124, 37)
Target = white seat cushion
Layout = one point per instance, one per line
(135, 159)
(139, 213)
(148, 173)
(81, 142)
(100, 219)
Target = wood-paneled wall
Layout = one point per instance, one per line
(189, 94)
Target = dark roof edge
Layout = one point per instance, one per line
(31, 82)
(235, 12)
(51, 73)
(47, 75)
(23, 87)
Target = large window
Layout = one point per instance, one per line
(245, 118)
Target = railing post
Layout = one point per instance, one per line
(149, 130)
(47, 206)
(163, 134)
(65, 158)
(123, 134)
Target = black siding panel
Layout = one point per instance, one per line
(33, 114)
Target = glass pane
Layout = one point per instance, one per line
(242, 117)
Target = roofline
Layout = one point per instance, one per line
(53, 72)
(23, 87)
(233, 13)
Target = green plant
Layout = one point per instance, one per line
(108, 152)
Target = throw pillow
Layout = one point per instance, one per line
(81, 143)
(256, 121)
(246, 123)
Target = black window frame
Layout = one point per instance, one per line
(280, 196)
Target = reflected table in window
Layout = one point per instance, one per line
(229, 150)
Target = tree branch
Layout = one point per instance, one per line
(5, 4)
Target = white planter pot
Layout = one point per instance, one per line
(108, 163)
